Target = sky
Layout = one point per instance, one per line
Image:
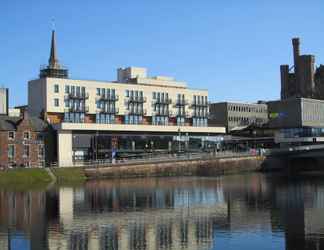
(232, 48)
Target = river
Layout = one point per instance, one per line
(248, 211)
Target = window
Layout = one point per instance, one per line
(154, 95)
(11, 151)
(56, 102)
(67, 89)
(26, 151)
(56, 88)
(127, 93)
(98, 91)
(26, 135)
(11, 135)
(41, 151)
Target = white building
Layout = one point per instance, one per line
(136, 112)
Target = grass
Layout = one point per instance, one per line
(69, 175)
(24, 178)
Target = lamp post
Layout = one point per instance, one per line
(179, 140)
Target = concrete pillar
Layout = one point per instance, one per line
(64, 148)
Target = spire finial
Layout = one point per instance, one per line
(53, 61)
(53, 23)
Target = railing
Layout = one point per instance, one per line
(165, 101)
(109, 98)
(135, 112)
(77, 96)
(138, 99)
(181, 102)
(79, 109)
(158, 158)
(198, 104)
(108, 111)
(163, 113)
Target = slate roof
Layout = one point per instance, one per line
(8, 123)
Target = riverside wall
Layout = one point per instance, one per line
(208, 167)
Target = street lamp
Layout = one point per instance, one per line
(179, 142)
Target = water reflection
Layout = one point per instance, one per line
(232, 212)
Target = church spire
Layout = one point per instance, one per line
(53, 61)
(53, 69)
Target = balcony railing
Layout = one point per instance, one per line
(113, 111)
(79, 96)
(110, 98)
(163, 113)
(135, 99)
(79, 109)
(165, 101)
(181, 102)
(136, 112)
(183, 114)
(194, 104)
(200, 114)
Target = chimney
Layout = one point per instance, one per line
(296, 43)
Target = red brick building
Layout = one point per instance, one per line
(25, 142)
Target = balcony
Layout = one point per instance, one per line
(183, 114)
(135, 99)
(79, 109)
(79, 96)
(181, 102)
(195, 104)
(113, 111)
(135, 112)
(163, 113)
(110, 98)
(200, 114)
(164, 101)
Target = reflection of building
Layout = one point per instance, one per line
(234, 115)
(134, 104)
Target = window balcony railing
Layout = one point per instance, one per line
(181, 102)
(135, 99)
(200, 114)
(183, 114)
(165, 101)
(136, 112)
(80, 96)
(79, 109)
(163, 113)
(113, 111)
(195, 104)
(108, 98)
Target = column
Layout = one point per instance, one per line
(64, 148)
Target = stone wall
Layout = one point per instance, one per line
(211, 167)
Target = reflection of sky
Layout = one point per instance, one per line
(18, 241)
(248, 240)
(198, 197)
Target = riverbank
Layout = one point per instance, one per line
(208, 167)
(72, 175)
(20, 178)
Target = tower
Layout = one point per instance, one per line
(53, 69)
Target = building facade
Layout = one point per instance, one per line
(235, 115)
(23, 142)
(4, 101)
(93, 117)
(302, 79)
(299, 120)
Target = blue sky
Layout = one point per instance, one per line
(233, 48)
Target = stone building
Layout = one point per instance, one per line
(4, 101)
(25, 142)
(302, 79)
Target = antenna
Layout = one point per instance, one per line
(53, 23)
